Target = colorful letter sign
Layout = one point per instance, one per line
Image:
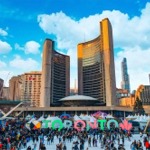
(80, 125)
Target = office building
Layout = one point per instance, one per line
(15, 88)
(1, 87)
(125, 83)
(143, 93)
(96, 70)
(5, 93)
(55, 75)
(31, 88)
(121, 93)
(127, 101)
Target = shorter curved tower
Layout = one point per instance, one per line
(96, 70)
(55, 81)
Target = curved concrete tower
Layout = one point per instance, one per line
(46, 73)
(55, 81)
(96, 69)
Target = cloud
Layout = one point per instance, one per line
(2, 64)
(4, 47)
(17, 66)
(24, 64)
(138, 63)
(18, 47)
(3, 32)
(30, 47)
(4, 56)
(128, 33)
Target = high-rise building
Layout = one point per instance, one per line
(96, 70)
(5, 94)
(15, 88)
(149, 78)
(31, 87)
(1, 87)
(55, 75)
(121, 93)
(74, 91)
(143, 93)
(125, 83)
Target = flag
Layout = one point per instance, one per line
(31, 78)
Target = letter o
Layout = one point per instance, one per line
(76, 125)
(112, 121)
(57, 121)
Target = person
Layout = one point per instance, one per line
(89, 142)
(48, 140)
(123, 139)
(34, 147)
(25, 143)
(139, 145)
(76, 145)
(133, 146)
(43, 147)
(29, 148)
(147, 145)
(118, 138)
(121, 147)
(8, 146)
(1, 145)
(141, 134)
(64, 147)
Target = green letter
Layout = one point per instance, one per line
(102, 122)
(45, 123)
(57, 122)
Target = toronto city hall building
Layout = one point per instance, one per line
(55, 81)
(96, 71)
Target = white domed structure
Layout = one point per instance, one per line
(78, 100)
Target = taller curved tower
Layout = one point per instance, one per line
(55, 81)
(96, 70)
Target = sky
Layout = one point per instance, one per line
(25, 24)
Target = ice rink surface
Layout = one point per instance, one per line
(52, 146)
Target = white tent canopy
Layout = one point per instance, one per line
(76, 118)
(84, 117)
(41, 118)
(92, 119)
(28, 117)
(109, 116)
(31, 120)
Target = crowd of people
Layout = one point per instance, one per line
(15, 136)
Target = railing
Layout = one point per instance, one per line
(7, 114)
(2, 112)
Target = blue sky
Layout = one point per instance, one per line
(24, 25)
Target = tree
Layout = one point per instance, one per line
(138, 107)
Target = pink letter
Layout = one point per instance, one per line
(93, 125)
(77, 127)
